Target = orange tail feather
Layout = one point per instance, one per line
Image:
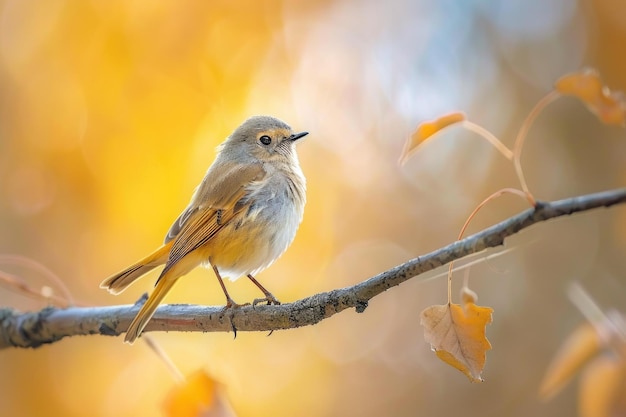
(117, 283)
(148, 308)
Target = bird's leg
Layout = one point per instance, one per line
(268, 295)
(230, 303)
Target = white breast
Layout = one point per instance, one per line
(270, 224)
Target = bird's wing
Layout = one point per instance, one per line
(180, 222)
(219, 188)
(212, 209)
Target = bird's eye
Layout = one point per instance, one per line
(265, 140)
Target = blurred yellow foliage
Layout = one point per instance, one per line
(199, 396)
(586, 85)
(596, 351)
(426, 130)
(582, 345)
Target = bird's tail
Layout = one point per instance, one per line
(148, 308)
(117, 283)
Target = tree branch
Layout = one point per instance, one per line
(33, 329)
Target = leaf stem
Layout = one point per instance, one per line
(521, 138)
(490, 137)
(493, 196)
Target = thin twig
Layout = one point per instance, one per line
(15, 283)
(43, 270)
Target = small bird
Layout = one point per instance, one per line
(241, 218)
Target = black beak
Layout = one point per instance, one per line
(297, 136)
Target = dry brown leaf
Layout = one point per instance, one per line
(199, 396)
(426, 130)
(457, 335)
(579, 347)
(586, 85)
(601, 387)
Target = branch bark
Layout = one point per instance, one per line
(32, 329)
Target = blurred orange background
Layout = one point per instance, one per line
(109, 116)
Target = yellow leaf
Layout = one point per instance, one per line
(586, 85)
(602, 386)
(426, 130)
(199, 396)
(457, 335)
(579, 347)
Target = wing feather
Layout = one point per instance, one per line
(211, 208)
(219, 189)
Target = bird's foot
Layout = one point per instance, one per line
(230, 303)
(269, 299)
